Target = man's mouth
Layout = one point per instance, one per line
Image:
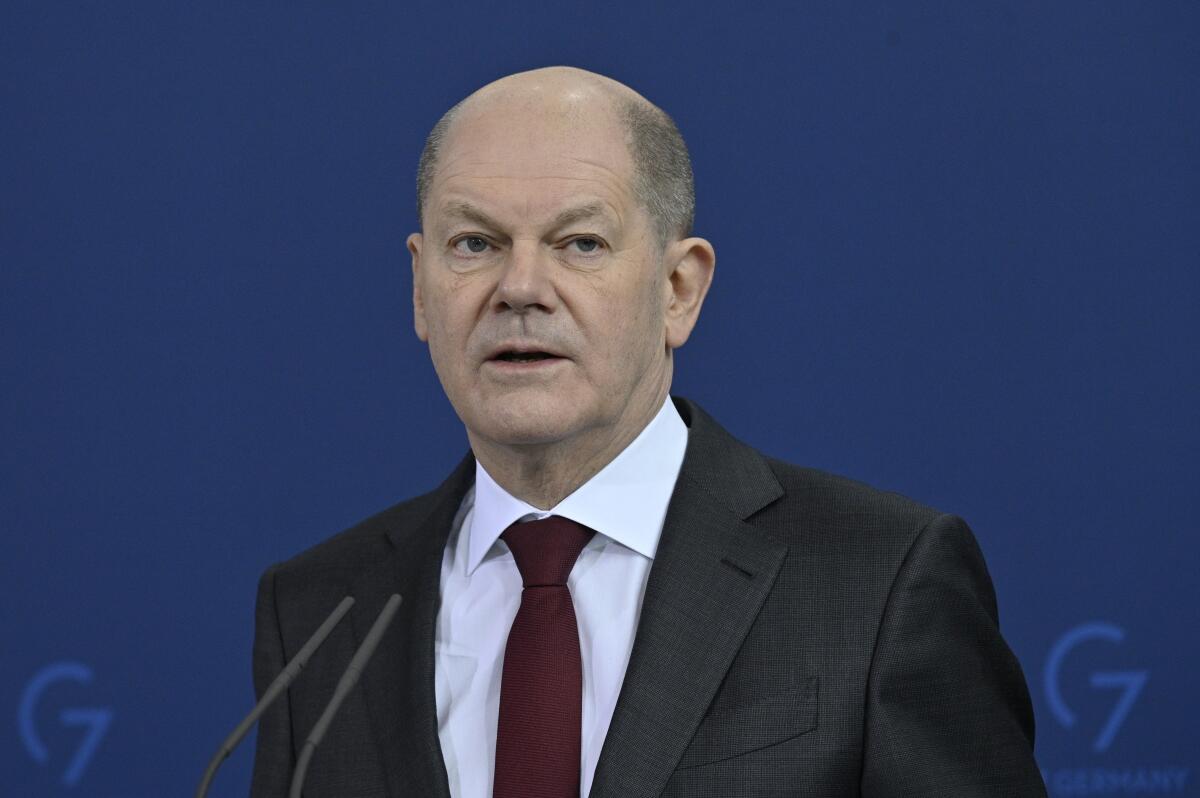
(523, 357)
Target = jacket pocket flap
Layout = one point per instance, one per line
(768, 720)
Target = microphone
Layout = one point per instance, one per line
(273, 691)
(343, 688)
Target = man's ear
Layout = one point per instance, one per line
(689, 263)
(414, 248)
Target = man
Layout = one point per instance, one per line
(611, 596)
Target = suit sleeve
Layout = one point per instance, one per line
(948, 712)
(273, 757)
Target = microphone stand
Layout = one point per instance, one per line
(343, 688)
(273, 691)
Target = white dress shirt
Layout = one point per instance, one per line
(625, 503)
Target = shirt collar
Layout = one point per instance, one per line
(625, 501)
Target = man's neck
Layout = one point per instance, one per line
(545, 474)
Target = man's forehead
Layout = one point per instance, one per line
(529, 130)
(517, 174)
(562, 212)
(533, 147)
(533, 144)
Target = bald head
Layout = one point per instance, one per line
(661, 169)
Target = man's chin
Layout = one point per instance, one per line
(531, 435)
(527, 425)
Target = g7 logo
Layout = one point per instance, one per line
(1130, 682)
(96, 720)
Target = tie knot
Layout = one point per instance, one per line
(546, 549)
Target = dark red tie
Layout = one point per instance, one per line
(541, 691)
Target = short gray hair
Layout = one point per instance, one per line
(662, 179)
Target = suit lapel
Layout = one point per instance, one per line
(398, 684)
(711, 574)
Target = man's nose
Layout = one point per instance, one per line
(526, 281)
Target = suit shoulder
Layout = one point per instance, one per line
(359, 545)
(845, 510)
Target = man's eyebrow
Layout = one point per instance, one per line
(466, 210)
(579, 214)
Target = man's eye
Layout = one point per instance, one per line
(472, 244)
(586, 245)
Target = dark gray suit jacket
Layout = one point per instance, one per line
(801, 635)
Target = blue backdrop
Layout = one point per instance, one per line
(957, 250)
